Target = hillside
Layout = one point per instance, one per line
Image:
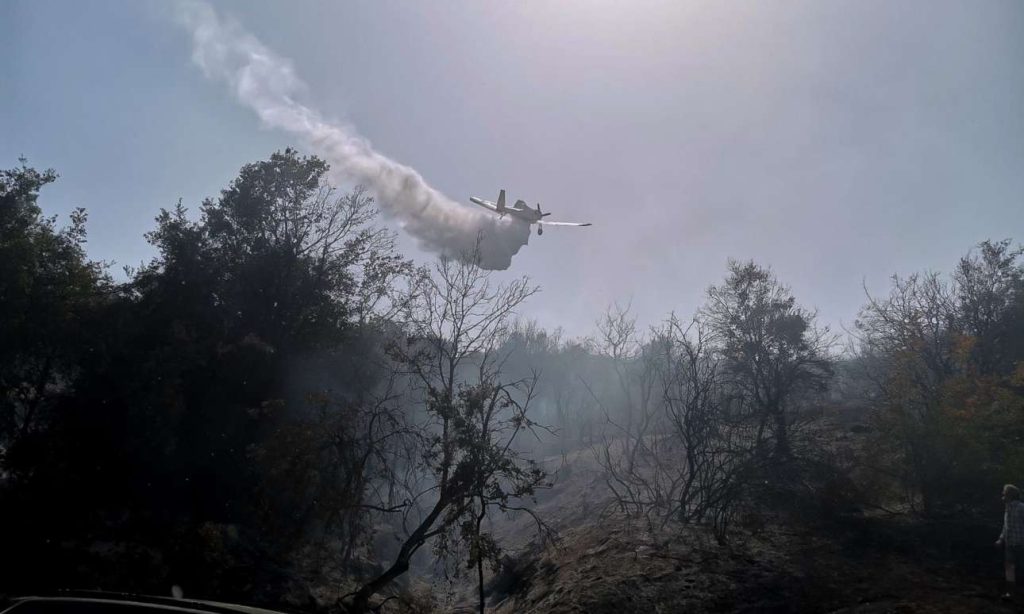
(602, 563)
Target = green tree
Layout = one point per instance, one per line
(174, 438)
(944, 358)
(773, 353)
(244, 314)
(48, 288)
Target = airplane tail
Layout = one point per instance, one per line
(501, 200)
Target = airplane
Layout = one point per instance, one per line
(522, 212)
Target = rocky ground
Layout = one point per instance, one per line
(852, 564)
(612, 568)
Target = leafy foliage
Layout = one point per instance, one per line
(177, 431)
(769, 345)
(48, 291)
(945, 359)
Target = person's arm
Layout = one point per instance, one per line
(1015, 524)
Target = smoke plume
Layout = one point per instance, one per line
(267, 83)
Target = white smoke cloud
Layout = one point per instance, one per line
(267, 83)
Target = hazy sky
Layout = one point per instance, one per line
(837, 142)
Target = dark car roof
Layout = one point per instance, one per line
(101, 603)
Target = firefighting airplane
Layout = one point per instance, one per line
(521, 211)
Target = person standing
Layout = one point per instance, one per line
(1012, 538)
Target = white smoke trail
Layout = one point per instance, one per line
(267, 84)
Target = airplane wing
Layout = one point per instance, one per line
(565, 223)
(486, 204)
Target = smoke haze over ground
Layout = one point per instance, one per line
(267, 83)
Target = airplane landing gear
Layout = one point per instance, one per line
(540, 230)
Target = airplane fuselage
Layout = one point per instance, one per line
(520, 210)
